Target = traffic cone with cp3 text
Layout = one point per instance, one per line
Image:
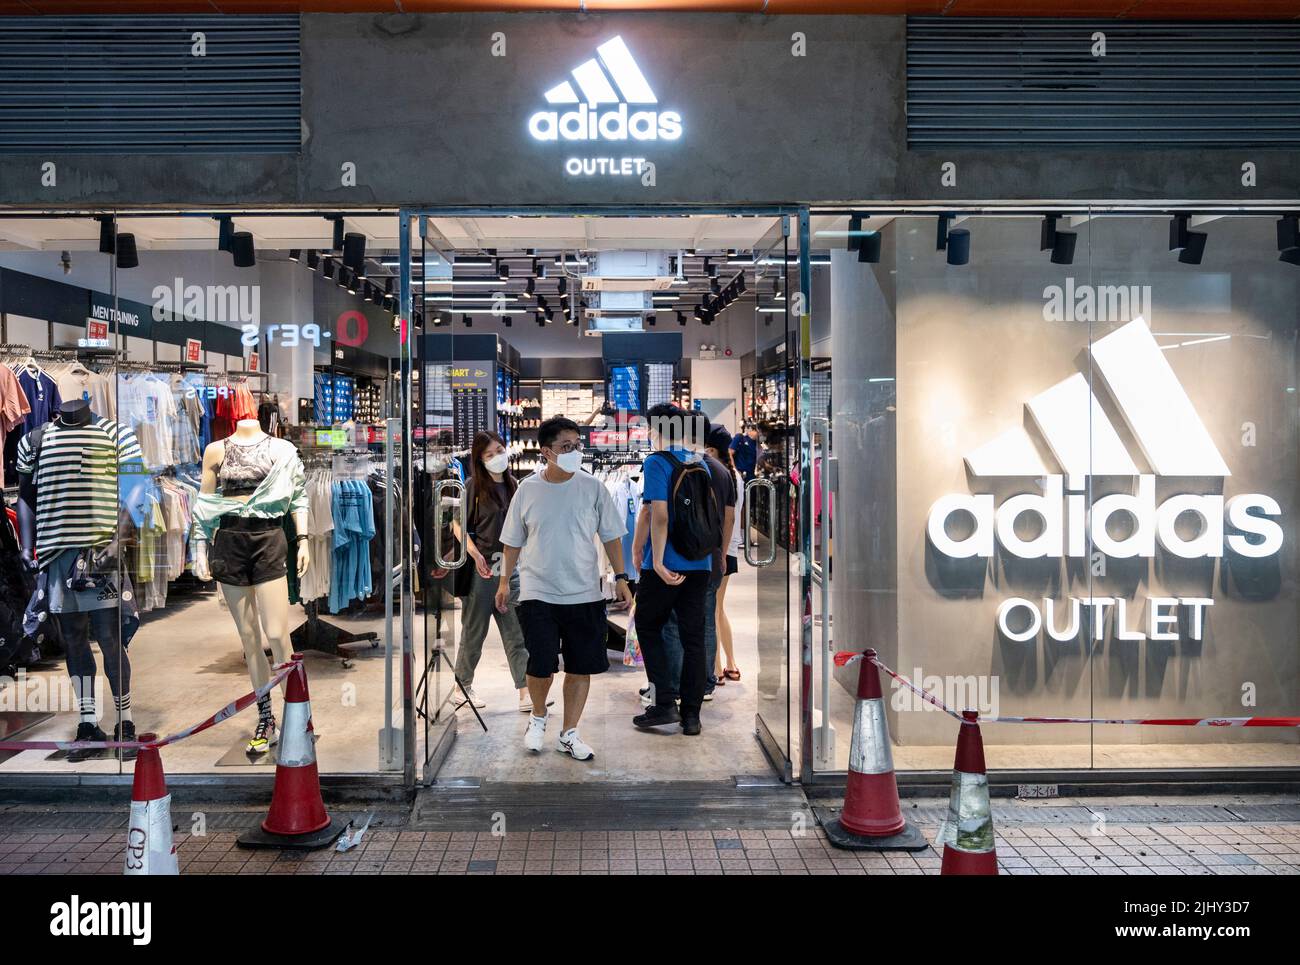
(871, 819)
(967, 834)
(149, 848)
(297, 818)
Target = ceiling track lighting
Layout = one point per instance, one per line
(855, 232)
(1189, 244)
(124, 245)
(336, 241)
(869, 248)
(354, 252)
(651, 320)
(295, 255)
(107, 235)
(681, 319)
(958, 246)
(562, 286)
(467, 320)
(503, 271)
(941, 237)
(1060, 243)
(327, 267)
(225, 232)
(1288, 239)
(313, 259)
(243, 250)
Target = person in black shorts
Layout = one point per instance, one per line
(550, 532)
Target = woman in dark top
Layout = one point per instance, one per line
(490, 489)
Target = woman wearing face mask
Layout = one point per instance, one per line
(490, 489)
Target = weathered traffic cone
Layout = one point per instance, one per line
(872, 819)
(297, 818)
(967, 834)
(149, 849)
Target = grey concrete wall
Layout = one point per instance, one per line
(429, 116)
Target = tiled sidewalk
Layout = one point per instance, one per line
(1049, 849)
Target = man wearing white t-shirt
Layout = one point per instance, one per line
(550, 531)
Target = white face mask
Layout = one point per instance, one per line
(569, 461)
(498, 463)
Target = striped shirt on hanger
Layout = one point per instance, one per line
(76, 478)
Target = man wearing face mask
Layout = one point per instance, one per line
(550, 532)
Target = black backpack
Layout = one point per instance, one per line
(694, 516)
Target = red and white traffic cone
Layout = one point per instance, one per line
(297, 818)
(149, 849)
(967, 835)
(872, 819)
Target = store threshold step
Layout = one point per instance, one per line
(465, 804)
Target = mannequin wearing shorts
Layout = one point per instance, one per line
(250, 481)
(69, 494)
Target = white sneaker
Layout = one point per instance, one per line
(647, 695)
(536, 734)
(570, 743)
(473, 698)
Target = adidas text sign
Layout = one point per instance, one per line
(612, 102)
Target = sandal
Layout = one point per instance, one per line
(731, 674)
(721, 680)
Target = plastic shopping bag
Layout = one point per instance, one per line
(632, 649)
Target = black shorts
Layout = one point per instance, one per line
(579, 631)
(732, 567)
(247, 551)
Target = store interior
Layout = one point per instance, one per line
(181, 324)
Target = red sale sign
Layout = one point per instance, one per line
(96, 331)
(193, 350)
(254, 361)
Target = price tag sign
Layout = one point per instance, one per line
(254, 362)
(334, 438)
(193, 350)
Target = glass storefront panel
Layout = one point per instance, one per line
(1074, 478)
(238, 368)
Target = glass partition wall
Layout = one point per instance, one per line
(211, 481)
(1064, 479)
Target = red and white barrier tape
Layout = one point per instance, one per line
(844, 658)
(230, 710)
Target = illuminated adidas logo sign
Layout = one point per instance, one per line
(612, 77)
(1079, 437)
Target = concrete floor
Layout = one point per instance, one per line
(624, 754)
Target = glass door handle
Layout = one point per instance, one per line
(752, 487)
(462, 517)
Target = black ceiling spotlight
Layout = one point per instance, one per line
(710, 268)
(740, 284)
(681, 319)
(126, 253)
(550, 314)
(958, 246)
(530, 286)
(1288, 238)
(351, 281)
(507, 321)
(313, 259)
(354, 252)
(869, 248)
(225, 232)
(242, 248)
(1189, 244)
(562, 286)
(698, 313)
(107, 234)
(941, 238)
(715, 286)
(1060, 243)
(467, 320)
(337, 240)
(295, 255)
(855, 232)
(503, 270)
(651, 320)
(327, 267)
(542, 303)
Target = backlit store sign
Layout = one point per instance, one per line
(608, 100)
(1077, 431)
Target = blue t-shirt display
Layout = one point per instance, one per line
(42, 395)
(657, 477)
(354, 526)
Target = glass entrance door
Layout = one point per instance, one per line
(770, 507)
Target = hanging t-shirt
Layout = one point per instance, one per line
(90, 386)
(13, 409)
(77, 482)
(43, 397)
(354, 527)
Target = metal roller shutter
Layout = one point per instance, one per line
(130, 85)
(1035, 84)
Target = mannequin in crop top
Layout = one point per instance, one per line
(248, 557)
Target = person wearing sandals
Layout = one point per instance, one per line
(490, 490)
(718, 445)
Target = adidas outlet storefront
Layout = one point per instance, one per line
(1023, 372)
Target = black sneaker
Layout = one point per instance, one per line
(690, 726)
(87, 731)
(657, 716)
(124, 730)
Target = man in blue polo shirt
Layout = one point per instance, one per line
(744, 451)
(671, 584)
